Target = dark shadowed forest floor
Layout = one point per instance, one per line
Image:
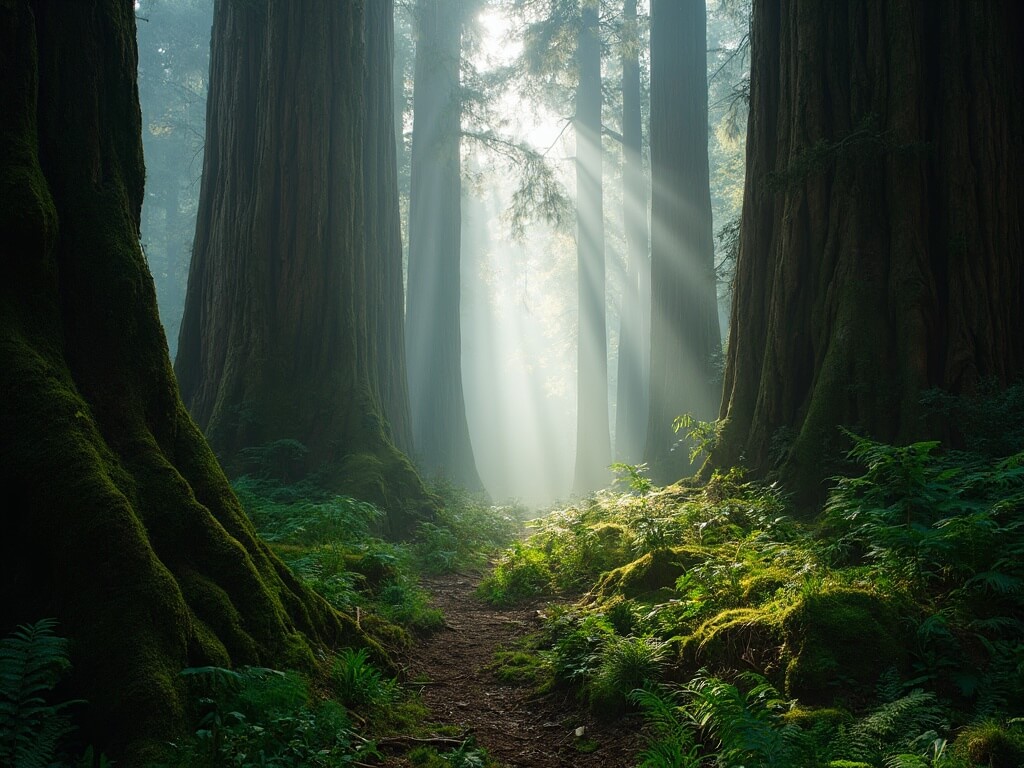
(517, 728)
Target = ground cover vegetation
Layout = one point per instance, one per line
(884, 630)
(352, 706)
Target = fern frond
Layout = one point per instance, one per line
(32, 661)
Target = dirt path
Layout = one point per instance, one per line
(516, 728)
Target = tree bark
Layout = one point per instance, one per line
(880, 250)
(685, 335)
(631, 401)
(434, 334)
(593, 439)
(275, 340)
(117, 519)
(386, 297)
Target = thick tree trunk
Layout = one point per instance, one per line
(881, 244)
(685, 335)
(433, 321)
(593, 438)
(275, 342)
(117, 520)
(631, 401)
(386, 295)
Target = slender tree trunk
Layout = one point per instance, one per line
(880, 251)
(685, 335)
(593, 439)
(434, 334)
(275, 342)
(632, 406)
(117, 520)
(386, 295)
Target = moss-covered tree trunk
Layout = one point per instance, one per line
(880, 249)
(685, 335)
(275, 341)
(433, 320)
(634, 345)
(117, 519)
(386, 297)
(593, 438)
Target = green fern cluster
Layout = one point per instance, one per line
(263, 717)
(32, 661)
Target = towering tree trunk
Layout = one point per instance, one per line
(434, 335)
(275, 343)
(117, 520)
(631, 406)
(386, 294)
(685, 335)
(881, 244)
(593, 439)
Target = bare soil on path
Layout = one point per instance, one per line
(515, 726)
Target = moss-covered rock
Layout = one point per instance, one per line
(844, 637)
(764, 583)
(992, 745)
(654, 571)
(739, 638)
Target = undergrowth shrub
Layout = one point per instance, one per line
(465, 531)
(262, 717)
(32, 661)
(946, 528)
(358, 683)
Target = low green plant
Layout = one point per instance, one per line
(465, 531)
(32, 661)
(403, 602)
(710, 715)
(521, 573)
(626, 663)
(702, 434)
(263, 717)
(358, 683)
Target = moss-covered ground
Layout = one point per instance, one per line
(884, 633)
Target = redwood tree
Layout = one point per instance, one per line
(593, 440)
(880, 251)
(275, 343)
(117, 519)
(685, 335)
(631, 398)
(434, 335)
(386, 293)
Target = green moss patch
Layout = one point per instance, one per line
(840, 639)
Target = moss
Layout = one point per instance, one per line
(763, 584)
(840, 636)
(739, 638)
(387, 478)
(521, 668)
(647, 574)
(614, 542)
(824, 717)
(991, 744)
(387, 635)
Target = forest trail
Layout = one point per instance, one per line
(517, 728)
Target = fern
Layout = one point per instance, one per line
(892, 729)
(672, 745)
(32, 661)
(746, 726)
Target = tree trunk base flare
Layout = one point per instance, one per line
(880, 250)
(117, 519)
(279, 341)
